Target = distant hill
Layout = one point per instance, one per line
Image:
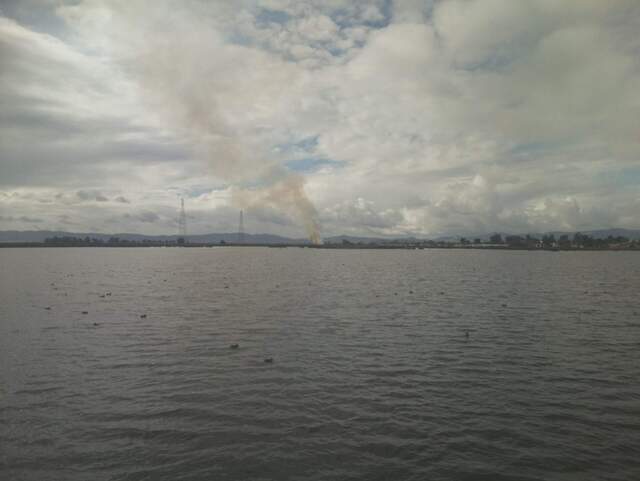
(41, 235)
(632, 234)
(339, 239)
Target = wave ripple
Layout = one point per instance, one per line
(372, 376)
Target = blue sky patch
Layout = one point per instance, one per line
(311, 164)
(267, 16)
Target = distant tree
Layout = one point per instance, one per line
(588, 241)
(514, 240)
(547, 240)
(577, 238)
(496, 239)
(477, 240)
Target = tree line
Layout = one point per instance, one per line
(97, 242)
(577, 241)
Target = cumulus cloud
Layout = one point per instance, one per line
(426, 118)
(95, 195)
(362, 215)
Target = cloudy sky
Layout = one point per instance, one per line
(357, 117)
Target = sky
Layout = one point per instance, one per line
(318, 118)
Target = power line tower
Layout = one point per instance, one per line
(241, 229)
(182, 221)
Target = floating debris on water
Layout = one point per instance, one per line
(234, 346)
(143, 316)
(268, 360)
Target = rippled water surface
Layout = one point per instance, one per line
(372, 376)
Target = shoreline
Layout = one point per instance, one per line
(13, 245)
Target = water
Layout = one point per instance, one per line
(372, 377)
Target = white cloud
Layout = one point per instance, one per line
(452, 116)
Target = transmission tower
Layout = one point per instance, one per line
(182, 221)
(241, 229)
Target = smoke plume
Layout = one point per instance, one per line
(286, 194)
(212, 92)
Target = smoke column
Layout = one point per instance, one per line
(286, 194)
(201, 85)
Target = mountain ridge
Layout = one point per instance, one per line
(231, 237)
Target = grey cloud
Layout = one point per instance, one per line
(94, 195)
(49, 132)
(28, 220)
(266, 215)
(146, 217)
(446, 116)
(362, 215)
(65, 219)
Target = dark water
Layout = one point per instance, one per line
(372, 376)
